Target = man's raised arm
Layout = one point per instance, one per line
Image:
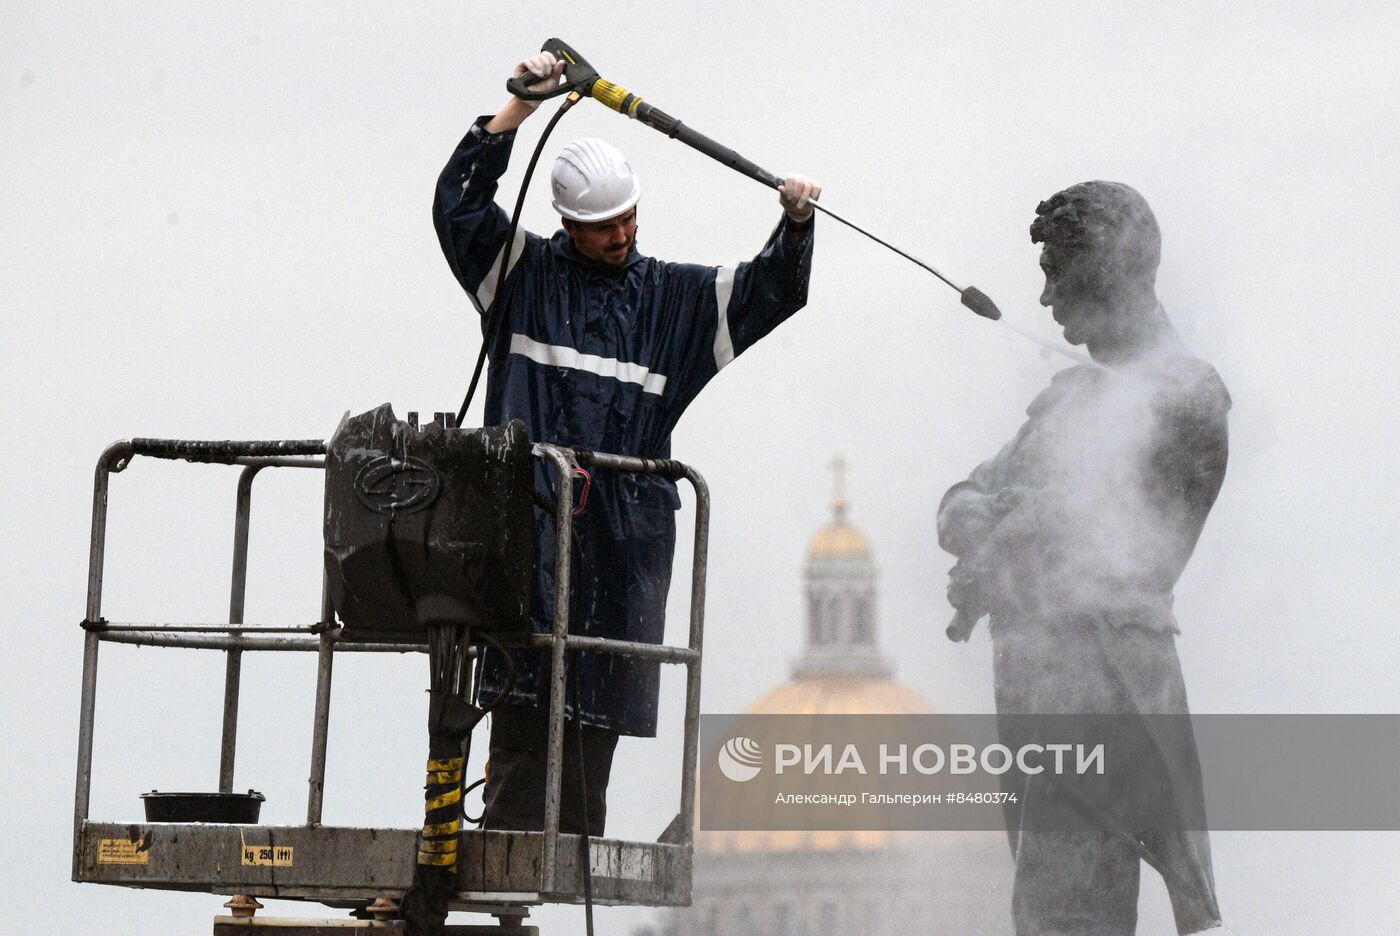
(471, 227)
(757, 296)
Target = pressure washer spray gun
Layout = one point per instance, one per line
(583, 80)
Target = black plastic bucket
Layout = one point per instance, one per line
(203, 807)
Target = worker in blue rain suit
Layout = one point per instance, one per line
(1072, 538)
(602, 348)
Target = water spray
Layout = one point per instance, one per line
(1076, 356)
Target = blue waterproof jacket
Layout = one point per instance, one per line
(606, 360)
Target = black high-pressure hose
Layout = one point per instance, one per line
(502, 697)
(494, 314)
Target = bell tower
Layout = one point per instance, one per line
(842, 633)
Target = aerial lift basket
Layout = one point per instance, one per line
(502, 873)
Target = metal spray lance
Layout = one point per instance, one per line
(581, 77)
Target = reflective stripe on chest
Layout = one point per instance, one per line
(563, 356)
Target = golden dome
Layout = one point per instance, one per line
(838, 538)
(841, 694)
(821, 695)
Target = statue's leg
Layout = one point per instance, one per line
(1075, 884)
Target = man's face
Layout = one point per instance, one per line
(1072, 293)
(605, 242)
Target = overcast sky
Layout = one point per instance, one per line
(216, 225)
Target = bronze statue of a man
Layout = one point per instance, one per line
(1072, 538)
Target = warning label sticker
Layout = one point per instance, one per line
(270, 856)
(124, 851)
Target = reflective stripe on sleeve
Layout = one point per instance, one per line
(563, 356)
(486, 291)
(724, 345)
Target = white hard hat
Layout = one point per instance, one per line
(593, 182)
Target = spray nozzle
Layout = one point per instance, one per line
(978, 301)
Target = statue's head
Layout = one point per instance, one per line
(1100, 255)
